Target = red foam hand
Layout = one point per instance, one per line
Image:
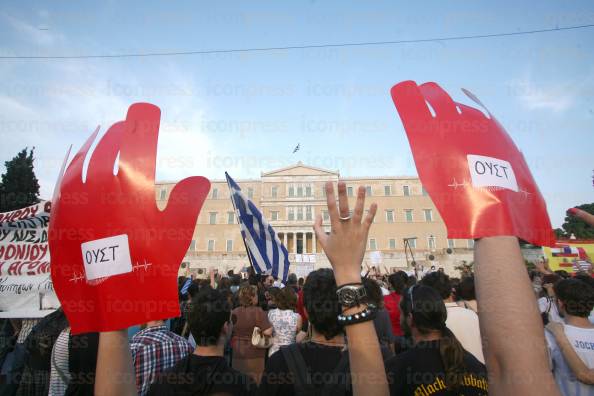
(471, 168)
(114, 254)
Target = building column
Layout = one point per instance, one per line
(294, 242)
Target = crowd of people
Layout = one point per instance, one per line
(335, 332)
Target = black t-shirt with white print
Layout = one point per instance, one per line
(420, 372)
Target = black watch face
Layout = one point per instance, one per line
(349, 296)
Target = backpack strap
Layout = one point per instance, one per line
(296, 365)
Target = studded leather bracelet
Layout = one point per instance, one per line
(367, 314)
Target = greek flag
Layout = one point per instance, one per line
(266, 252)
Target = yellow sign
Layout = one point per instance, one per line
(566, 253)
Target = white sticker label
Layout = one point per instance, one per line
(491, 172)
(106, 257)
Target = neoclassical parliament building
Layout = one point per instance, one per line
(290, 198)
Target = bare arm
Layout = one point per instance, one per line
(115, 373)
(345, 248)
(512, 330)
(579, 369)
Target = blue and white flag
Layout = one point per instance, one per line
(268, 255)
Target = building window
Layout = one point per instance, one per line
(308, 213)
(274, 192)
(230, 217)
(211, 245)
(193, 245)
(350, 191)
(431, 242)
(408, 215)
(372, 244)
(274, 215)
(392, 243)
(424, 192)
(412, 243)
(390, 216)
(325, 215)
(451, 243)
(308, 191)
(387, 191)
(299, 191)
(368, 191)
(299, 213)
(428, 215)
(406, 191)
(250, 193)
(163, 194)
(291, 214)
(471, 243)
(291, 191)
(229, 245)
(212, 218)
(215, 193)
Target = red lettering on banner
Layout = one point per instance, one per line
(23, 252)
(28, 268)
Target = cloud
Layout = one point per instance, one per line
(552, 97)
(65, 101)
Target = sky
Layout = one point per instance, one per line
(245, 112)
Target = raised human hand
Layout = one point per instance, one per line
(473, 171)
(345, 245)
(127, 274)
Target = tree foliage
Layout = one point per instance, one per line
(19, 187)
(577, 227)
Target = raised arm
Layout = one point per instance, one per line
(512, 331)
(578, 367)
(345, 248)
(115, 373)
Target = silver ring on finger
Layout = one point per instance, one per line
(346, 218)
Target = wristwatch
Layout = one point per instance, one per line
(351, 295)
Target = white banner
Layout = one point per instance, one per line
(26, 289)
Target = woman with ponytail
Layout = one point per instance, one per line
(437, 364)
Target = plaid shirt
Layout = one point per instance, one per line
(154, 350)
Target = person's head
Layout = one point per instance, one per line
(286, 298)
(224, 283)
(398, 281)
(465, 289)
(230, 273)
(208, 318)
(300, 282)
(575, 297)
(248, 295)
(193, 289)
(374, 292)
(423, 314)
(411, 281)
(321, 303)
(440, 282)
(292, 280)
(268, 281)
(562, 274)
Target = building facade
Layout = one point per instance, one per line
(291, 198)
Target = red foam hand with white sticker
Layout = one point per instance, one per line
(471, 168)
(114, 254)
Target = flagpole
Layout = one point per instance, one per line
(247, 250)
